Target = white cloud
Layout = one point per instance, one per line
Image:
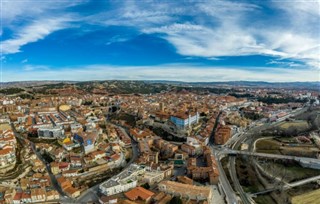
(174, 28)
(230, 28)
(209, 29)
(30, 21)
(33, 32)
(24, 61)
(284, 63)
(35, 67)
(13, 11)
(182, 72)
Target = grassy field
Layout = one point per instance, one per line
(312, 197)
(301, 125)
(264, 199)
(268, 146)
(4, 126)
(291, 171)
(272, 146)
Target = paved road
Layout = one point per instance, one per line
(272, 156)
(289, 185)
(231, 197)
(233, 173)
(235, 143)
(232, 168)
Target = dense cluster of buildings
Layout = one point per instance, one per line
(8, 144)
(187, 191)
(207, 172)
(71, 132)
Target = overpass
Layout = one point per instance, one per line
(288, 185)
(304, 161)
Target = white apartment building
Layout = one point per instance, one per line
(54, 132)
(122, 182)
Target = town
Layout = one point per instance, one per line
(174, 144)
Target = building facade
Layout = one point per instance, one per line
(183, 121)
(122, 182)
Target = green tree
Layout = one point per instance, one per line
(175, 200)
(146, 186)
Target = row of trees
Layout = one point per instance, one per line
(10, 91)
(271, 100)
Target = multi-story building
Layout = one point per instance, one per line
(209, 172)
(38, 195)
(222, 135)
(87, 139)
(139, 193)
(7, 156)
(157, 174)
(54, 132)
(122, 182)
(7, 148)
(186, 191)
(184, 120)
(191, 150)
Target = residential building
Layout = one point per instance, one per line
(139, 193)
(38, 195)
(186, 191)
(222, 135)
(52, 132)
(122, 182)
(184, 120)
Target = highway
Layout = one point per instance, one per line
(289, 185)
(231, 197)
(271, 156)
(233, 173)
(234, 144)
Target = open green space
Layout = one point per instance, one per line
(312, 197)
(268, 146)
(283, 146)
(295, 172)
(301, 125)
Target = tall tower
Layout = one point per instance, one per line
(161, 106)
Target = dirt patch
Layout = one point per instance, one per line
(301, 125)
(290, 171)
(4, 126)
(312, 197)
(272, 146)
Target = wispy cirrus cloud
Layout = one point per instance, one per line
(35, 67)
(182, 72)
(33, 32)
(29, 21)
(229, 28)
(286, 31)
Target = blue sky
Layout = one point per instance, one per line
(164, 40)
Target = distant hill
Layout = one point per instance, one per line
(299, 85)
(30, 83)
(228, 84)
